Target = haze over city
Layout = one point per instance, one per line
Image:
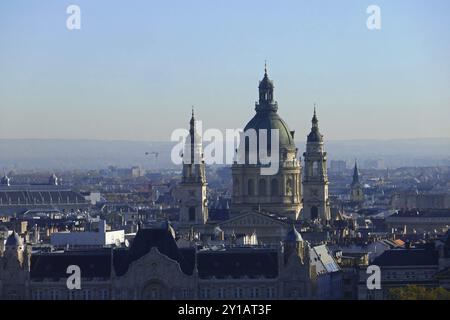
(224, 156)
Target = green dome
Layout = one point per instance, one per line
(271, 120)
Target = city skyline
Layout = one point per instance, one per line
(224, 155)
(129, 68)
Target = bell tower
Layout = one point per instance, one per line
(356, 190)
(316, 204)
(191, 192)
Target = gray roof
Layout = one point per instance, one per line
(408, 257)
(323, 260)
(33, 195)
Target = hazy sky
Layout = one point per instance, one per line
(135, 68)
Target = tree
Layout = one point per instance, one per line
(414, 292)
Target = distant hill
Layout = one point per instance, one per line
(95, 154)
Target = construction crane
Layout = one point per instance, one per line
(156, 154)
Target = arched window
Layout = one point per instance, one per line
(274, 187)
(262, 187)
(192, 214)
(251, 187)
(154, 291)
(315, 168)
(289, 187)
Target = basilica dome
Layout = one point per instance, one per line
(271, 120)
(267, 118)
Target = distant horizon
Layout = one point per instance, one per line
(59, 154)
(169, 141)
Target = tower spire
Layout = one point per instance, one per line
(192, 122)
(356, 192)
(314, 119)
(355, 173)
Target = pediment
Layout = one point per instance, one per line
(154, 263)
(253, 219)
(154, 267)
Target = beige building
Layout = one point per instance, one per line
(408, 201)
